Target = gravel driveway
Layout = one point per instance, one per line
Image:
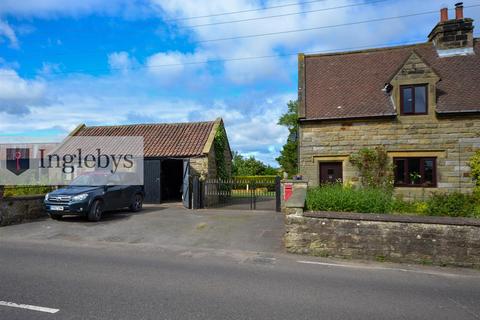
(166, 226)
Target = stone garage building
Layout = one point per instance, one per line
(173, 153)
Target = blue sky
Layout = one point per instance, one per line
(100, 62)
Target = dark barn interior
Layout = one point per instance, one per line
(171, 179)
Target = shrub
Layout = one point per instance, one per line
(474, 164)
(375, 168)
(241, 182)
(454, 205)
(336, 197)
(12, 191)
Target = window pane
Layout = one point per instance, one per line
(428, 172)
(407, 94)
(421, 99)
(414, 171)
(400, 172)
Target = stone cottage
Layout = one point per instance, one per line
(421, 102)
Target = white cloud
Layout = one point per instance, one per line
(17, 94)
(7, 32)
(169, 67)
(361, 35)
(49, 68)
(121, 61)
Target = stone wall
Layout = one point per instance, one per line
(18, 209)
(199, 166)
(451, 140)
(431, 240)
(206, 166)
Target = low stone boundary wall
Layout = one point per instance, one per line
(416, 239)
(18, 209)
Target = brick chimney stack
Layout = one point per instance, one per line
(459, 11)
(443, 14)
(454, 36)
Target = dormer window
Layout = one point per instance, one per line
(413, 99)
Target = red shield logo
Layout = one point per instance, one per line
(18, 160)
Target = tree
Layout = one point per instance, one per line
(242, 166)
(288, 158)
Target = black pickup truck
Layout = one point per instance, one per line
(91, 194)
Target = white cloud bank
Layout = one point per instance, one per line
(17, 94)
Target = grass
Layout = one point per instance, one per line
(348, 199)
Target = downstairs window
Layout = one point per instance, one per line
(415, 172)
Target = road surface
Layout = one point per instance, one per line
(45, 280)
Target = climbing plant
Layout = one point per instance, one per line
(474, 164)
(375, 168)
(220, 146)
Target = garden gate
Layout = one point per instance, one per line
(256, 193)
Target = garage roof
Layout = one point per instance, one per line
(162, 139)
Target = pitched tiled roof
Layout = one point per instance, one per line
(348, 85)
(162, 139)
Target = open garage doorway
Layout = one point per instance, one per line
(171, 180)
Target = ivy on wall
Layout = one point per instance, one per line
(220, 146)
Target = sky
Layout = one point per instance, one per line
(106, 62)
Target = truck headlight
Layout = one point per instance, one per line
(46, 196)
(80, 197)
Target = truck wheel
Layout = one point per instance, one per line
(95, 213)
(137, 203)
(55, 216)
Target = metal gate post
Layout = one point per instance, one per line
(278, 191)
(254, 195)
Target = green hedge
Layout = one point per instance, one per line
(348, 199)
(12, 191)
(260, 182)
(454, 205)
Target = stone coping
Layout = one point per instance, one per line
(393, 218)
(25, 197)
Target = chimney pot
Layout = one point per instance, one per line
(443, 14)
(459, 11)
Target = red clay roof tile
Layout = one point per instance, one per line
(163, 139)
(349, 85)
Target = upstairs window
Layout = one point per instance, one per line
(413, 99)
(415, 172)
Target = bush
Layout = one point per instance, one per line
(453, 205)
(375, 168)
(12, 191)
(336, 197)
(347, 199)
(241, 182)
